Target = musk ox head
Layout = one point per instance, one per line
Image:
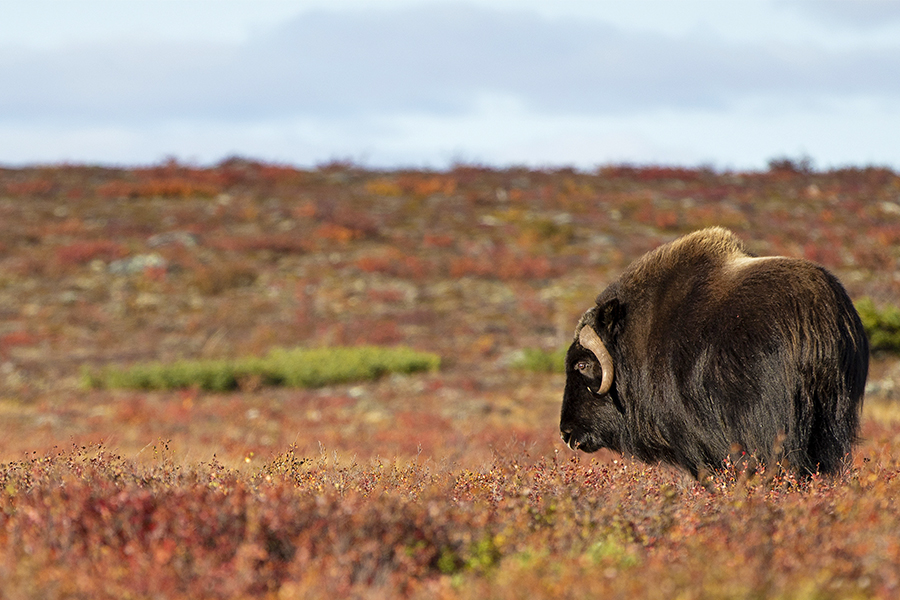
(699, 348)
(590, 419)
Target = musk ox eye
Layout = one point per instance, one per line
(586, 368)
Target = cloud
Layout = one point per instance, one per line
(443, 82)
(865, 14)
(438, 59)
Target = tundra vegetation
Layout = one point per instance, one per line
(298, 367)
(446, 482)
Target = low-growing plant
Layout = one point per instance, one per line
(541, 361)
(298, 367)
(91, 523)
(279, 243)
(82, 252)
(503, 264)
(215, 278)
(882, 325)
(159, 187)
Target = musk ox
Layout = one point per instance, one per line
(699, 349)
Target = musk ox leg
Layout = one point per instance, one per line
(830, 445)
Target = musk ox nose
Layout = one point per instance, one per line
(579, 439)
(568, 438)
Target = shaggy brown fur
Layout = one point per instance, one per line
(714, 349)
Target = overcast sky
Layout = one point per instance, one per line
(385, 83)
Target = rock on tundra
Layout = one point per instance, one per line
(700, 349)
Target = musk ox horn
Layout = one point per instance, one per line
(591, 341)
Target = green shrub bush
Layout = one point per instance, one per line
(298, 367)
(881, 325)
(541, 361)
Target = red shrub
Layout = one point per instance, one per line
(501, 263)
(337, 233)
(824, 254)
(158, 187)
(661, 218)
(386, 295)
(393, 262)
(368, 331)
(83, 252)
(422, 185)
(437, 240)
(383, 263)
(651, 173)
(29, 188)
(16, 338)
(281, 243)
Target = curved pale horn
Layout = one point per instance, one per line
(591, 341)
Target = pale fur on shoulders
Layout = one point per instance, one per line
(715, 243)
(712, 241)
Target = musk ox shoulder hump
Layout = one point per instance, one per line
(715, 245)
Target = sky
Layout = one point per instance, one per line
(728, 84)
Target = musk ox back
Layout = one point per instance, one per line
(699, 349)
